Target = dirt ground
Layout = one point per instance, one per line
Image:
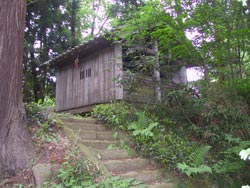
(52, 152)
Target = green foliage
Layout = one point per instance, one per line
(115, 114)
(116, 181)
(196, 164)
(19, 185)
(189, 170)
(47, 102)
(74, 172)
(77, 173)
(150, 137)
(34, 113)
(243, 90)
(47, 124)
(46, 129)
(166, 147)
(143, 126)
(198, 154)
(220, 113)
(229, 160)
(55, 121)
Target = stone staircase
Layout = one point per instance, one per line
(95, 139)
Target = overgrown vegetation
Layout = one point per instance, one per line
(74, 170)
(78, 173)
(46, 125)
(150, 137)
(196, 134)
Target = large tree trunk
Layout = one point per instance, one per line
(15, 141)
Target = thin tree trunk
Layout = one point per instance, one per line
(44, 57)
(73, 23)
(34, 76)
(157, 73)
(15, 141)
(94, 19)
(230, 62)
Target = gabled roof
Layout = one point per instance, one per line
(80, 52)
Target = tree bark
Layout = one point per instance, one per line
(15, 141)
(157, 75)
(73, 22)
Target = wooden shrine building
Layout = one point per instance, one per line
(90, 74)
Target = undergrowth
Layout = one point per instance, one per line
(78, 173)
(150, 137)
(45, 125)
(211, 123)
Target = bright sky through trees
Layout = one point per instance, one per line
(194, 73)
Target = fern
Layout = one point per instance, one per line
(197, 165)
(143, 126)
(147, 131)
(184, 168)
(197, 156)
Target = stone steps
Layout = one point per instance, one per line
(145, 175)
(112, 154)
(162, 185)
(126, 165)
(98, 144)
(97, 137)
(79, 120)
(86, 126)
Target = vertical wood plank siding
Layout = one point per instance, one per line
(96, 83)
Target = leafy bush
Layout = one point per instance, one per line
(243, 90)
(228, 160)
(223, 113)
(168, 131)
(151, 138)
(46, 131)
(46, 124)
(165, 147)
(48, 102)
(115, 114)
(34, 113)
(74, 172)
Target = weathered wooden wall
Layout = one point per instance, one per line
(138, 88)
(93, 82)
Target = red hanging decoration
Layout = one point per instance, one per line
(76, 63)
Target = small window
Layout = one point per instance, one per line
(85, 74)
(89, 72)
(82, 75)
